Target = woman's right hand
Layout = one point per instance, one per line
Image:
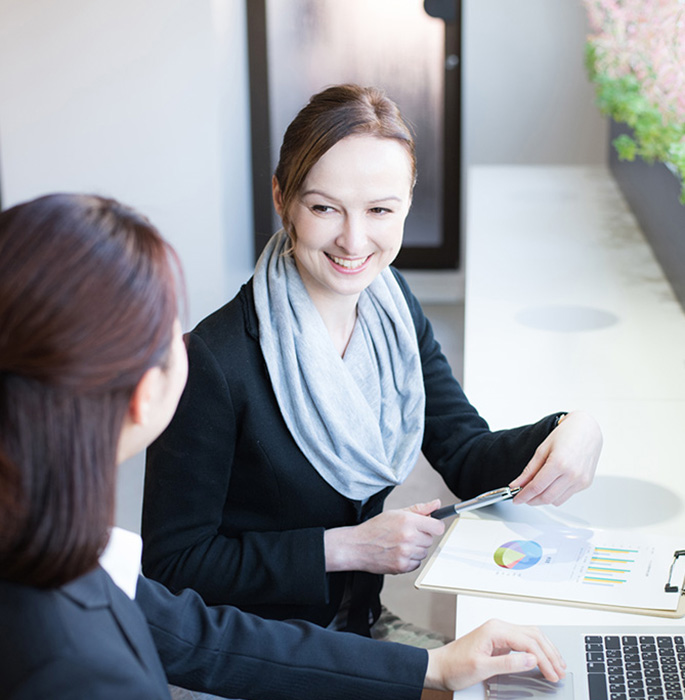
(393, 542)
(485, 652)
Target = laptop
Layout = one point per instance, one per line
(635, 662)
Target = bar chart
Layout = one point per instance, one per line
(610, 566)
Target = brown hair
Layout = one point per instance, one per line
(87, 305)
(328, 117)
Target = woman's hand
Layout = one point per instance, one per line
(484, 653)
(563, 464)
(393, 542)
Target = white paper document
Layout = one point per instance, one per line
(582, 565)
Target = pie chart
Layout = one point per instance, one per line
(518, 554)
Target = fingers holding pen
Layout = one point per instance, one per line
(393, 542)
(431, 526)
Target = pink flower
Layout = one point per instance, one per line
(644, 39)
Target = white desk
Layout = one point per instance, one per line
(567, 308)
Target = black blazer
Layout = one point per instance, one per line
(233, 509)
(89, 640)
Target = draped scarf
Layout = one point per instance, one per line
(358, 419)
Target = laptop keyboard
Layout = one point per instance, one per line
(635, 667)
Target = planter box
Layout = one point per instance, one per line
(652, 192)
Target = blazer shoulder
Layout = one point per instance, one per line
(54, 642)
(233, 320)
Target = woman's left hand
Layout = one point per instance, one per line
(563, 464)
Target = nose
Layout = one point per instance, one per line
(352, 235)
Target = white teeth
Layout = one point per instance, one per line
(348, 264)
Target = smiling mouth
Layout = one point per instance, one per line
(348, 264)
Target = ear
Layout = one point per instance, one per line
(134, 432)
(277, 196)
(140, 405)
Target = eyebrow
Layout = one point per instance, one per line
(320, 193)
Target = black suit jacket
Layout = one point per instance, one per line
(88, 640)
(233, 509)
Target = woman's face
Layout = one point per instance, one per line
(349, 216)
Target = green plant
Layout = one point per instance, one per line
(635, 59)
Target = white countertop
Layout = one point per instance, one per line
(566, 307)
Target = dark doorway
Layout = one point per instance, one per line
(412, 49)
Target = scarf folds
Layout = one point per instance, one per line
(359, 420)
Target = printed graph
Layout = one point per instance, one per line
(581, 565)
(610, 566)
(518, 554)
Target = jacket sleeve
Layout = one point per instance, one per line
(188, 473)
(225, 651)
(457, 441)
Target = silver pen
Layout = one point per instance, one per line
(485, 499)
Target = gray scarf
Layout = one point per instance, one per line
(358, 419)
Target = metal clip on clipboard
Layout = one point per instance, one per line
(669, 587)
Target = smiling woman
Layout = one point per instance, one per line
(312, 393)
(346, 226)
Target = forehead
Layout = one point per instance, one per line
(362, 162)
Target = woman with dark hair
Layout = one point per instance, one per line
(92, 365)
(311, 394)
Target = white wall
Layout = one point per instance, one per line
(526, 96)
(143, 101)
(146, 102)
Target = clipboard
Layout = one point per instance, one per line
(494, 559)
